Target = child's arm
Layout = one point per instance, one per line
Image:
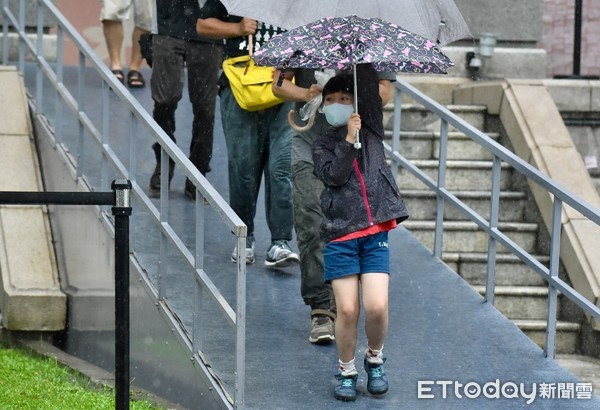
(333, 159)
(370, 105)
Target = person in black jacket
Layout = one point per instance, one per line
(361, 203)
(178, 46)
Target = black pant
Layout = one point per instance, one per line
(203, 62)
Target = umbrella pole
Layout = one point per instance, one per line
(357, 144)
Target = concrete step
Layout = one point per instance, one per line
(509, 269)
(460, 175)
(520, 302)
(467, 237)
(426, 145)
(586, 368)
(416, 118)
(567, 334)
(422, 205)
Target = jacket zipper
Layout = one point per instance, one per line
(363, 190)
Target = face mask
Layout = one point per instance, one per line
(337, 114)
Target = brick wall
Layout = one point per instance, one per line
(557, 40)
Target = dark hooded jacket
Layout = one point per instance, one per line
(360, 190)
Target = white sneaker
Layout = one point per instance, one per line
(280, 255)
(249, 253)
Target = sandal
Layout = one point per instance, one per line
(119, 74)
(135, 79)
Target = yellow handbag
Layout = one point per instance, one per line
(250, 84)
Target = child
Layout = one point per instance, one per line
(360, 203)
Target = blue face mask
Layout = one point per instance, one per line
(337, 114)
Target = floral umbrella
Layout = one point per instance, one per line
(342, 42)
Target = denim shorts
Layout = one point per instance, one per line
(356, 256)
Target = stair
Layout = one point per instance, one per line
(520, 293)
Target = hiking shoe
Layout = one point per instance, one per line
(377, 382)
(322, 326)
(346, 388)
(280, 255)
(155, 178)
(249, 252)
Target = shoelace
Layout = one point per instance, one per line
(376, 371)
(347, 382)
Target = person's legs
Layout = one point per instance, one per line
(136, 54)
(166, 85)
(113, 34)
(246, 149)
(278, 173)
(347, 301)
(375, 303)
(203, 62)
(278, 185)
(374, 260)
(112, 14)
(142, 19)
(307, 218)
(346, 325)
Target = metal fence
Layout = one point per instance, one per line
(98, 153)
(496, 237)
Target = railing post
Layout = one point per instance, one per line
(121, 211)
(441, 184)
(553, 268)
(396, 130)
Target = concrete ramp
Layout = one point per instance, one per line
(30, 295)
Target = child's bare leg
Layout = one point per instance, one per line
(375, 302)
(347, 301)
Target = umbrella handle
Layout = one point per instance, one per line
(250, 44)
(298, 128)
(357, 144)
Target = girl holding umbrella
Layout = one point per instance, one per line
(361, 203)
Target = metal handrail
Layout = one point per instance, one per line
(496, 236)
(89, 133)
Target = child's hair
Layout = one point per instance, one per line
(341, 82)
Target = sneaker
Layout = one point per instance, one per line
(346, 389)
(322, 327)
(280, 255)
(249, 252)
(377, 382)
(155, 178)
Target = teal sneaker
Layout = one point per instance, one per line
(377, 382)
(346, 389)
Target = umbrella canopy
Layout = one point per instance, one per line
(342, 42)
(437, 20)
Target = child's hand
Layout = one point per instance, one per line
(354, 125)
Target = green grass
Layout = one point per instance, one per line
(29, 381)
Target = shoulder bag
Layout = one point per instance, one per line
(250, 84)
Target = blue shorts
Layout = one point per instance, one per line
(356, 256)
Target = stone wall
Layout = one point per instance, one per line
(515, 23)
(559, 23)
